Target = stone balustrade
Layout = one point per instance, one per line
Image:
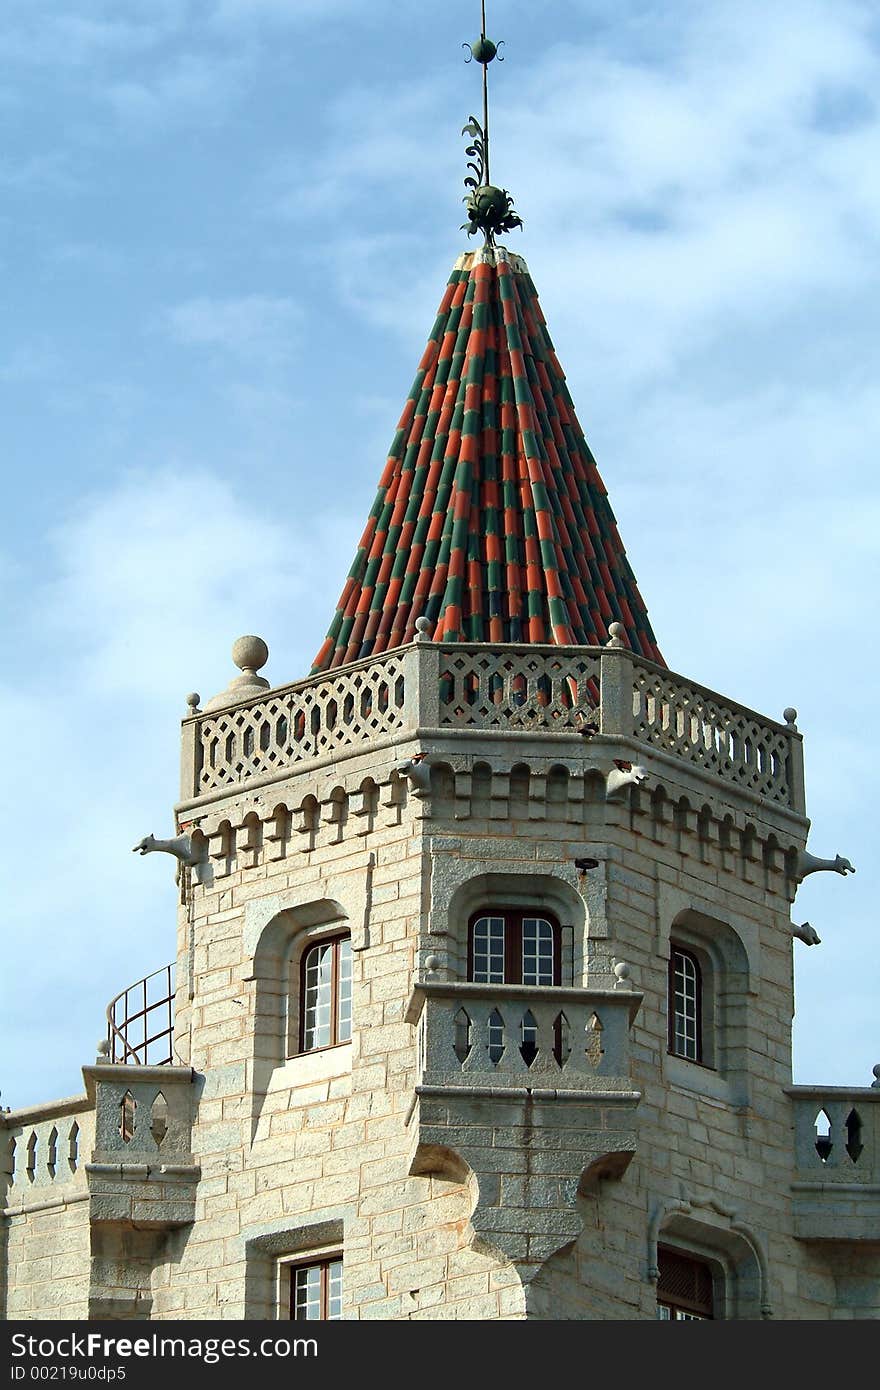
(43, 1152)
(480, 687)
(545, 1038)
(142, 1169)
(836, 1187)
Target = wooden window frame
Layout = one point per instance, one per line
(513, 953)
(335, 941)
(676, 950)
(323, 1264)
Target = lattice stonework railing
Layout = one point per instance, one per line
(541, 689)
(696, 726)
(301, 721)
(538, 688)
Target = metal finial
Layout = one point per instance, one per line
(489, 209)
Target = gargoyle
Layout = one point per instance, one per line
(806, 933)
(809, 864)
(618, 778)
(417, 773)
(181, 847)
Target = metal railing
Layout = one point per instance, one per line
(140, 1021)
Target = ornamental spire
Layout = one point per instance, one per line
(489, 209)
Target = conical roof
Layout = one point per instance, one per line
(491, 519)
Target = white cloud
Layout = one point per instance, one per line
(188, 87)
(691, 191)
(150, 583)
(158, 577)
(72, 33)
(263, 328)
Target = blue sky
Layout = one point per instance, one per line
(225, 226)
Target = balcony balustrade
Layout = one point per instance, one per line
(836, 1187)
(480, 688)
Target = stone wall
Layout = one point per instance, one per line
(471, 1205)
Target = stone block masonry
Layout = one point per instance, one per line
(473, 1150)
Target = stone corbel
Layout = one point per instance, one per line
(575, 805)
(685, 821)
(538, 796)
(391, 795)
(360, 806)
(276, 832)
(499, 796)
(333, 813)
(248, 835)
(220, 849)
(726, 832)
(707, 835)
(462, 793)
(303, 821)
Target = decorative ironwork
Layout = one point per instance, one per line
(490, 210)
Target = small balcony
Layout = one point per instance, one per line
(532, 1038)
(836, 1186)
(527, 1089)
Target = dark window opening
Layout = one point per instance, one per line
(685, 1287)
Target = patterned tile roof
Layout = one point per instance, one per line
(491, 519)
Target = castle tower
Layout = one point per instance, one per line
(484, 960)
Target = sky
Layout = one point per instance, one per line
(225, 228)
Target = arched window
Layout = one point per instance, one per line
(325, 995)
(514, 947)
(685, 1291)
(685, 1004)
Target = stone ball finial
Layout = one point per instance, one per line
(616, 634)
(432, 964)
(103, 1049)
(193, 700)
(790, 716)
(876, 1081)
(423, 629)
(621, 970)
(249, 654)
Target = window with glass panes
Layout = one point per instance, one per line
(513, 947)
(684, 1288)
(316, 1291)
(326, 994)
(685, 1004)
